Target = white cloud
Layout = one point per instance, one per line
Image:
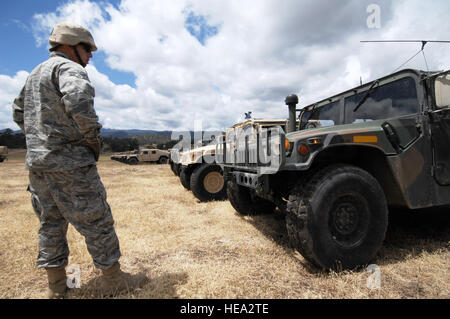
(262, 52)
(82, 12)
(9, 89)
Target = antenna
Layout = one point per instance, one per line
(424, 42)
(438, 41)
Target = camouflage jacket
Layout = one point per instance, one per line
(55, 110)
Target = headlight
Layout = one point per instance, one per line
(287, 144)
(303, 149)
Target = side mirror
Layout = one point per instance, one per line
(442, 90)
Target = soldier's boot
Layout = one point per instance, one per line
(115, 281)
(57, 282)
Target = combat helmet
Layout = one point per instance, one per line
(70, 33)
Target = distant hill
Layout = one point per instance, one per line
(143, 136)
(163, 135)
(107, 132)
(13, 132)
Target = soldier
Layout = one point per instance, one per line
(55, 110)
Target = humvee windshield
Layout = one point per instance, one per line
(393, 99)
(327, 115)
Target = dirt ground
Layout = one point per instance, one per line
(194, 250)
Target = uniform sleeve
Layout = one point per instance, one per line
(78, 98)
(17, 107)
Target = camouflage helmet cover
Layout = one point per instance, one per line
(70, 34)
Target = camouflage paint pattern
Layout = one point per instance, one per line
(55, 110)
(355, 155)
(408, 176)
(77, 197)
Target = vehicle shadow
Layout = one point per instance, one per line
(409, 234)
(412, 232)
(273, 226)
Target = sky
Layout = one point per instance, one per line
(190, 64)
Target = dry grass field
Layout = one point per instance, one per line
(196, 250)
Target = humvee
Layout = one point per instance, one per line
(121, 157)
(143, 155)
(198, 171)
(352, 158)
(3, 153)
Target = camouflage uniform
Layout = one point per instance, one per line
(55, 111)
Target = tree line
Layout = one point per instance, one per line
(128, 144)
(112, 144)
(12, 140)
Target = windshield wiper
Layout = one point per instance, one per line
(366, 96)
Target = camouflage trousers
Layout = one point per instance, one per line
(77, 197)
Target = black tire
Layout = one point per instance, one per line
(203, 175)
(173, 168)
(132, 161)
(163, 160)
(176, 168)
(246, 203)
(338, 220)
(185, 177)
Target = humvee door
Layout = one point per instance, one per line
(440, 130)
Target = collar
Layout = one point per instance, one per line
(60, 54)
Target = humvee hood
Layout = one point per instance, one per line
(344, 129)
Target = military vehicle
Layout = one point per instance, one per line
(352, 158)
(199, 173)
(3, 153)
(143, 155)
(121, 157)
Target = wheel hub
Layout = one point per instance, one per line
(213, 182)
(348, 221)
(346, 218)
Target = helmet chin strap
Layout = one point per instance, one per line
(78, 56)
